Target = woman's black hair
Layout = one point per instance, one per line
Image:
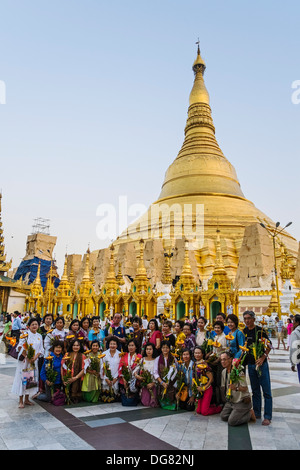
(70, 347)
(48, 315)
(165, 343)
(154, 350)
(155, 323)
(180, 322)
(297, 318)
(112, 338)
(137, 320)
(233, 318)
(204, 319)
(95, 341)
(201, 349)
(31, 320)
(83, 319)
(220, 323)
(186, 350)
(59, 318)
(190, 326)
(56, 343)
(72, 323)
(95, 317)
(222, 315)
(132, 340)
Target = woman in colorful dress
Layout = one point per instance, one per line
(213, 358)
(96, 332)
(83, 334)
(238, 337)
(55, 363)
(189, 342)
(203, 372)
(109, 371)
(201, 334)
(58, 332)
(184, 395)
(137, 333)
(155, 335)
(25, 383)
(72, 371)
(46, 325)
(145, 376)
(179, 335)
(165, 374)
(91, 385)
(74, 328)
(130, 362)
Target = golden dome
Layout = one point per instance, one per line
(200, 175)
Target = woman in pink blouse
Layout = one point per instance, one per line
(289, 328)
(155, 336)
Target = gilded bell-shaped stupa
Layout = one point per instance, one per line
(201, 195)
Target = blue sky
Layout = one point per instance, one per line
(97, 97)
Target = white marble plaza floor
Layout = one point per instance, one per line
(35, 428)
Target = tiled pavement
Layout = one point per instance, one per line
(112, 426)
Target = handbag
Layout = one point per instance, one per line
(58, 398)
(29, 379)
(183, 395)
(13, 352)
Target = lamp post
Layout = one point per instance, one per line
(274, 233)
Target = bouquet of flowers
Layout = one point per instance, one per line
(199, 382)
(169, 373)
(180, 382)
(147, 378)
(108, 374)
(67, 375)
(30, 355)
(236, 372)
(51, 374)
(126, 373)
(207, 345)
(258, 347)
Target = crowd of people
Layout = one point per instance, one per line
(190, 365)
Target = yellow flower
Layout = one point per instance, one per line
(230, 337)
(244, 348)
(216, 344)
(210, 342)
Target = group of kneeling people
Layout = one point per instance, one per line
(155, 378)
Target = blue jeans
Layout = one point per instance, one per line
(263, 382)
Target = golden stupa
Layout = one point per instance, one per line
(200, 191)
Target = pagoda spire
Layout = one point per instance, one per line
(65, 273)
(219, 265)
(86, 274)
(141, 270)
(4, 266)
(37, 281)
(200, 168)
(120, 279)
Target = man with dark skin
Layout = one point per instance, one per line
(258, 369)
(118, 330)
